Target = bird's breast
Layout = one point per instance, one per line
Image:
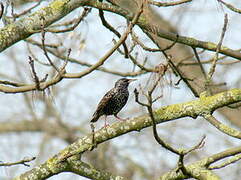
(117, 102)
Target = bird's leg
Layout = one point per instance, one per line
(121, 119)
(106, 124)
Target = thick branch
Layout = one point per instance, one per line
(74, 165)
(62, 74)
(200, 169)
(167, 113)
(146, 27)
(31, 24)
(81, 168)
(57, 9)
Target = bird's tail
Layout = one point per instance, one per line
(95, 117)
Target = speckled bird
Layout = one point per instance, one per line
(113, 101)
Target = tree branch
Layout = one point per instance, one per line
(146, 27)
(230, 6)
(57, 9)
(23, 162)
(167, 4)
(201, 170)
(163, 114)
(63, 74)
(222, 127)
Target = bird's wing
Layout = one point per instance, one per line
(104, 101)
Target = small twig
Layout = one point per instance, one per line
(1, 9)
(62, 69)
(82, 63)
(137, 98)
(198, 146)
(232, 160)
(76, 21)
(213, 66)
(222, 127)
(135, 61)
(27, 10)
(10, 83)
(44, 48)
(222, 155)
(175, 69)
(136, 40)
(166, 4)
(185, 152)
(44, 79)
(188, 58)
(23, 162)
(180, 153)
(60, 76)
(230, 6)
(157, 98)
(35, 77)
(199, 62)
(171, 45)
(108, 26)
(178, 82)
(157, 138)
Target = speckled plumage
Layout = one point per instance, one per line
(114, 100)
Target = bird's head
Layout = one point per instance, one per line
(123, 83)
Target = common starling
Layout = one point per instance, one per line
(113, 101)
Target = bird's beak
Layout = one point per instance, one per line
(131, 80)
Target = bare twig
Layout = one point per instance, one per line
(166, 4)
(23, 162)
(79, 62)
(225, 154)
(60, 76)
(62, 69)
(180, 153)
(44, 48)
(222, 127)
(110, 52)
(108, 26)
(27, 10)
(35, 77)
(10, 83)
(76, 23)
(213, 66)
(230, 6)
(137, 98)
(180, 74)
(188, 58)
(199, 62)
(1, 9)
(135, 61)
(136, 39)
(232, 160)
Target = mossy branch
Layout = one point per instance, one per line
(57, 9)
(195, 108)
